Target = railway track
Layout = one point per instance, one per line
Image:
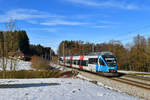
(127, 79)
(141, 82)
(137, 83)
(127, 84)
(137, 86)
(137, 77)
(133, 80)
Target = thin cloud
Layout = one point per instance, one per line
(107, 22)
(101, 27)
(36, 17)
(25, 14)
(106, 4)
(32, 22)
(45, 29)
(85, 2)
(62, 22)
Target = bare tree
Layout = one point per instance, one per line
(11, 25)
(9, 44)
(3, 59)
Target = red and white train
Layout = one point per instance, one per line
(99, 62)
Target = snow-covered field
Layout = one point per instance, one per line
(20, 65)
(57, 89)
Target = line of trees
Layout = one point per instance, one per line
(43, 52)
(134, 56)
(12, 41)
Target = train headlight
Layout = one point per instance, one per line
(112, 70)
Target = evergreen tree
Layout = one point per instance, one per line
(23, 41)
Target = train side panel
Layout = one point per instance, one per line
(92, 62)
(89, 63)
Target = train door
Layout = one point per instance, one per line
(98, 65)
(102, 67)
(92, 64)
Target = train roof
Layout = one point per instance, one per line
(95, 54)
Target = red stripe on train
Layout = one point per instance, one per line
(81, 58)
(71, 58)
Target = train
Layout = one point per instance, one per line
(103, 63)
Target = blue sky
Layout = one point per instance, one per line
(48, 22)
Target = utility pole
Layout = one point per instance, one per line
(93, 48)
(63, 49)
(50, 54)
(69, 52)
(45, 56)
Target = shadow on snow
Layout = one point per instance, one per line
(27, 85)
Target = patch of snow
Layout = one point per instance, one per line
(98, 83)
(19, 65)
(66, 89)
(82, 77)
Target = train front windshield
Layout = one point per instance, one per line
(110, 60)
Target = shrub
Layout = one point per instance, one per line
(30, 74)
(39, 63)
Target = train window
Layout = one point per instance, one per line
(67, 61)
(78, 62)
(93, 60)
(60, 59)
(101, 62)
(84, 62)
(74, 62)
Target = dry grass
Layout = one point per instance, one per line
(37, 74)
(31, 74)
(39, 63)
